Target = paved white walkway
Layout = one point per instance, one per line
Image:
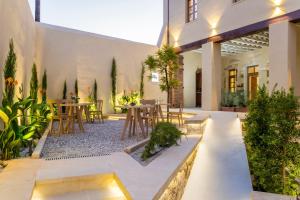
(221, 169)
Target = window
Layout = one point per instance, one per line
(192, 10)
(154, 77)
(232, 80)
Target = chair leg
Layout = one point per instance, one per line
(147, 126)
(51, 126)
(60, 127)
(102, 119)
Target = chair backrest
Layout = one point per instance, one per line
(148, 102)
(179, 106)
(148, 111)
(99, 104)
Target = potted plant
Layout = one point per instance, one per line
(228, 102)
(240, 101)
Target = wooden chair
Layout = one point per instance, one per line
(177, 115)
(57, 114)
(98, 113)
(149, 114)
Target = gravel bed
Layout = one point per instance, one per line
(98, 140)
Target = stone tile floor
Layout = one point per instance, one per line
(98, 139)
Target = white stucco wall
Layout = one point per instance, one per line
(241, 62)
(215, 17)
(16, 22)
(192, 62)
(67, 54)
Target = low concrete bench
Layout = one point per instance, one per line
(196, 124)
(269, 196)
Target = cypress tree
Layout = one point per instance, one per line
(76, 88)
(95, 92)
(65, 90)
(44, 87)
(9, 74)
(114, 83)
(34, 84)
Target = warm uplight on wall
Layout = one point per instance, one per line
(214, 32)
(214, 25)
(277, 2)
(278, 10)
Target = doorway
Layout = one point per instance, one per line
(253, 81)
(199, 88)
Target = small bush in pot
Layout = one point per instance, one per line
(164, 135)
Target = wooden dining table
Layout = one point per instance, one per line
(134, 120)
(75, 112)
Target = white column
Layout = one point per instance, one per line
(283, 56)
(211, 76)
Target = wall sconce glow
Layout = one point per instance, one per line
(277, 12)
(277, 2)
(214, 32)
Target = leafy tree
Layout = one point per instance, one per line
(114, 83)
(9, 74)
(34, 84)
(44, 87)
(142, 82)
(95, 92)
(270, 140)
(166, 63)
(65, 90)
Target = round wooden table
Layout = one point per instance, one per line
(75, 111)
(134, 115)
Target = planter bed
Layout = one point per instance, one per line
(234, 109)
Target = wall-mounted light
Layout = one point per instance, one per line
(277, 11)
(277, 2)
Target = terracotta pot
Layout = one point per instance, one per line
(228, 109)
(241, 109)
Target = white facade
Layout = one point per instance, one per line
(278, 63)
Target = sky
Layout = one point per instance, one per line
(136, 20)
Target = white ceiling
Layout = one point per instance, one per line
(244, 44)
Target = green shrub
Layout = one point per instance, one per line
(271, 132)
(234, 99)
(227, 99)
(15, 135)
(164, 135)
(125, 100)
